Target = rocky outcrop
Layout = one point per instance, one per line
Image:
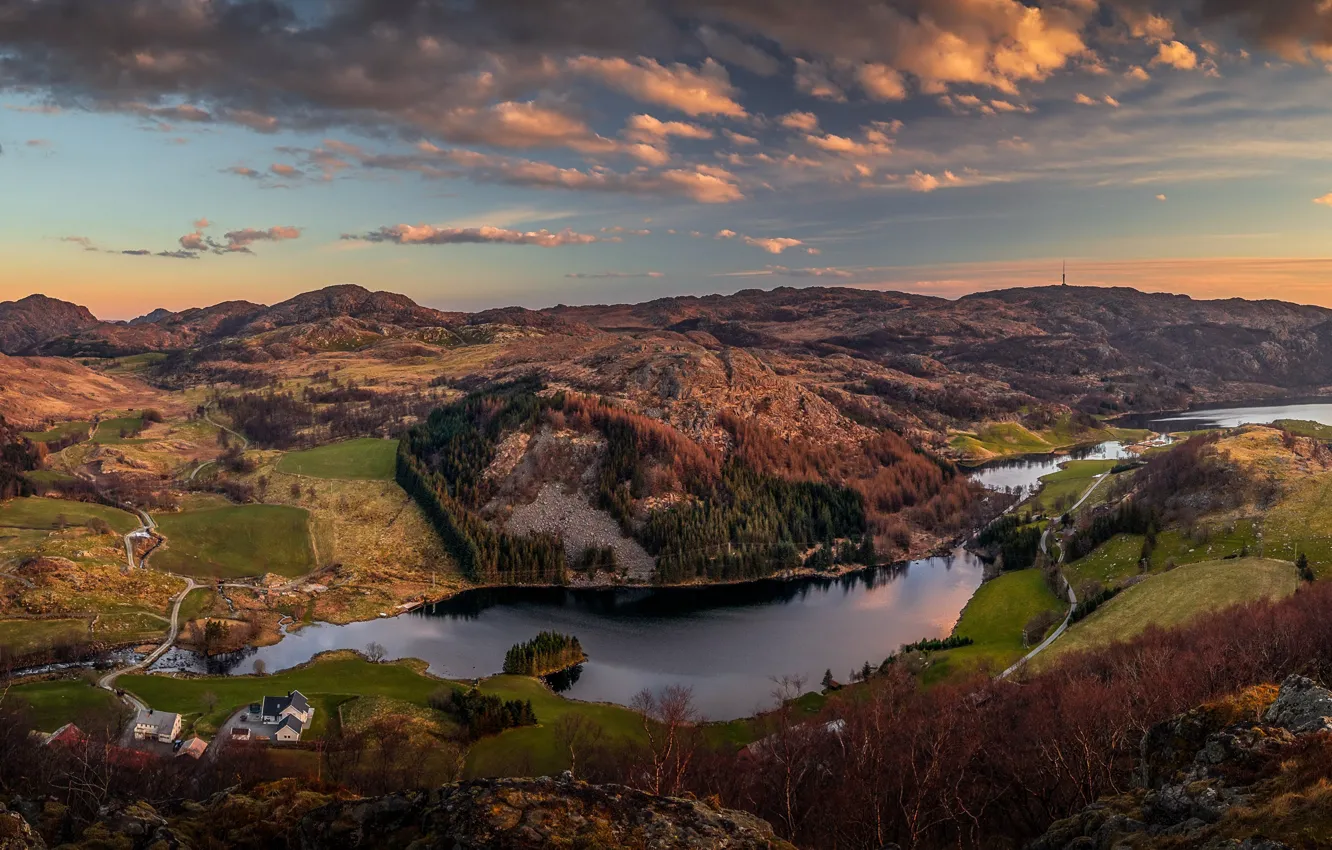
(487, 814)
(1243, 774)
(532, 814)
(15, 834)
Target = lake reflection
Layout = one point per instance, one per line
(725, 642)
(1023, 475)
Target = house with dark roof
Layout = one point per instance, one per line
(289, 729)
(291, 714)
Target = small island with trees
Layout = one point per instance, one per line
(548, 652)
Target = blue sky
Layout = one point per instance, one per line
(489, 155)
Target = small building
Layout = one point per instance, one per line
(289, 730)
(152, 725)
(67, 734)
(294, 704)
(240, 733)
(195, 747)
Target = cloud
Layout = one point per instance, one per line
(1138, 73)
(284, 170)
(706, 90)
(88, 243)
(804, 122)
(922, 182)
(240, 240)
(701, 183)
(783, 271)
(1105, 100)
(1160, 197)
(1176, 54)
(876, 141)
(645, 128)
(44, 144)
(1325, 200)
(734, 51)
(773, 245)
(38, 109)
(612, 275)
(243, 171)
(881, 82)
(739, 138)
(425, 234)
(812, 78)
(202, 223)
(516, 125)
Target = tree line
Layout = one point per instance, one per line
(548, 652)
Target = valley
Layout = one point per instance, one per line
(376, 501)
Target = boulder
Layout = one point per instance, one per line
(1301, 706)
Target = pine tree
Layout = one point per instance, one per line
(828, 680)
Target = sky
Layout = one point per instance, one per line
(482, 153)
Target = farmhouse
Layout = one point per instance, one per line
(293, 704)
(290, 714)
(160, 725)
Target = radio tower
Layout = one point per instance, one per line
(1063, 275)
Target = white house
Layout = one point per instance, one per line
(293, 704)
(289, 730)
(291, 714)
(160, 725)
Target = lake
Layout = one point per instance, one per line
(1231, 417)
(727, 642)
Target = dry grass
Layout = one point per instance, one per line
(376, 549)
(53, 389)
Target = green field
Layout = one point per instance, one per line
(994, 619)
(59, 432)
(108, 431)
(31, 635)
(1175, 597)
(53, 704)
(48, 476)
(1306, 428)
(999, 439)
(1302, 522)
(334, 680)
(1117, 558)
(235, 541)
(199, 600)
(1060, 490)
(1111, 562)
(366, 458)
(40, 513)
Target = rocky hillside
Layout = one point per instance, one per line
(494, 814)
(1046, 358)
(31, 321)
(1248, 772)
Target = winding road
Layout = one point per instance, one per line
(108, 682)
(1072, 596)
(245, 444)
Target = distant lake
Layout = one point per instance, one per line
(1231, 417)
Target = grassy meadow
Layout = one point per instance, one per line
(53, 704)
(236, 541)
(50, 514)
(1174, 598)
(994, 619)
(362, 459)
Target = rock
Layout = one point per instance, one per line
(16, 834)
(1301, 706)
(527, 814)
